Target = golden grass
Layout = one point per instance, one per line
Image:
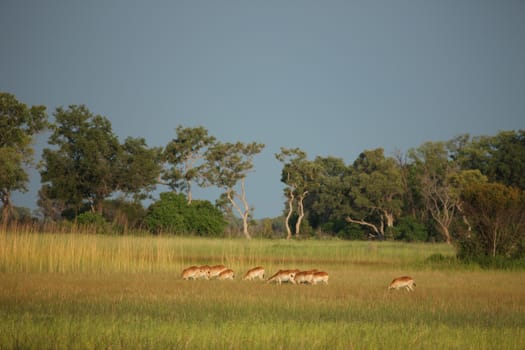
(78, 291)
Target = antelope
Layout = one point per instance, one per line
(204, 272)
(192, 272)
(304, 276)
(256, 272)
(319, 277)
(403, 282)
(227, 274)
(215, 271)
(283, 276)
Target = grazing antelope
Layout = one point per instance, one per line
(256, 272)
(319, 277)
(215, 271)
(204, 272)
(305, 276)
(227, 274)
(283, 276)
(191, 273)
(403, 282)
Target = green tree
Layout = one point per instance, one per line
(376, 191)
(300, 177)
(328, 202)
(501, 158)
(184, 154)
(434, 171)
(83, 165)
(497, 215)
(139, 168)
(18, 126)
(227, 164)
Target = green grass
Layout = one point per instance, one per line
(92, 292)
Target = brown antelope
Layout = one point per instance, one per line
(204, 272)
(215, 271)
(320, 276)
(256, 272)
(304, 277)
(191, 273)
(283, 276)
(227, 274)
(403, 282)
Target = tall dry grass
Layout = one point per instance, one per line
(87, 253)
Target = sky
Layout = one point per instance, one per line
(333, 78)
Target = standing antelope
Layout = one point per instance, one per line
(403, 282)
(319, 277)
(216, 270)
(283, 276)
(227, 274)
(256, 272)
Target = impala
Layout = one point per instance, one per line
(403, 282)
(227, 274)
(319, 277)
(283, 276)
(256, 272)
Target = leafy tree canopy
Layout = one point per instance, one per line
(18, 125)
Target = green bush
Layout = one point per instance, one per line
(410, 230)
(94, 222)
(172, 214)
(344, 230)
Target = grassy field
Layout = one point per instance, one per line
(72, 291)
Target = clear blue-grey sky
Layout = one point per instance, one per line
(330, 77)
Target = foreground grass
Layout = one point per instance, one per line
(140, 302)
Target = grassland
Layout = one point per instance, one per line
(73, 291)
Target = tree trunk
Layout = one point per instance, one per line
(494, 242)
(301, 213)
(445, 232)
(389, 219)
(6, 207)
(287, 220)
(190, 197)
(244, 214)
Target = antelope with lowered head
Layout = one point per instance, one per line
(406, 282)
(227, 274)
(305, 277)
(320, 277)
(216, 270)
(283, 276)
(191, 273)
(256, 272)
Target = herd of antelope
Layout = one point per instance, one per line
(295, 276)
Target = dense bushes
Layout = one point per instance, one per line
(172, 214)
(410, 230)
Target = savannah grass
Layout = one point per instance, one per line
(80, 291)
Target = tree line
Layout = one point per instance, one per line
(463, 190)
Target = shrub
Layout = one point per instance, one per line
(93, 222)
(172, 214)
(410, 230)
